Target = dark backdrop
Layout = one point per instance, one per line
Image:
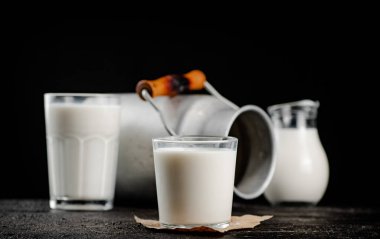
(249, 62)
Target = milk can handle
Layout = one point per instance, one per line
(171, 85)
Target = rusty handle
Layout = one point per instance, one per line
(172, 85)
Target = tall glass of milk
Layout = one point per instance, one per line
(82, 132)
(195, 180)
(302, 171)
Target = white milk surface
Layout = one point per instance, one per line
(82, 150)
(302, 169)
(194, 186)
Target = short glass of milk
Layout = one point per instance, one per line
(82, 132)
(195, 180)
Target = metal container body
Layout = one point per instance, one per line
(192, 115)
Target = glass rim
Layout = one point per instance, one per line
(195, 139)
(293, 106)
(83, 94)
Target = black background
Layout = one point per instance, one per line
(249, 61)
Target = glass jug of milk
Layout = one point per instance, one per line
(302, 169)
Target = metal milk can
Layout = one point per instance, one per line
(190, 115)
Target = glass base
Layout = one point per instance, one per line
(189, 226)
(81, 205)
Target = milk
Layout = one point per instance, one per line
(194, 186)
(302, 170)
(82, 150)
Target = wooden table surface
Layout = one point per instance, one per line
(34, 219)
